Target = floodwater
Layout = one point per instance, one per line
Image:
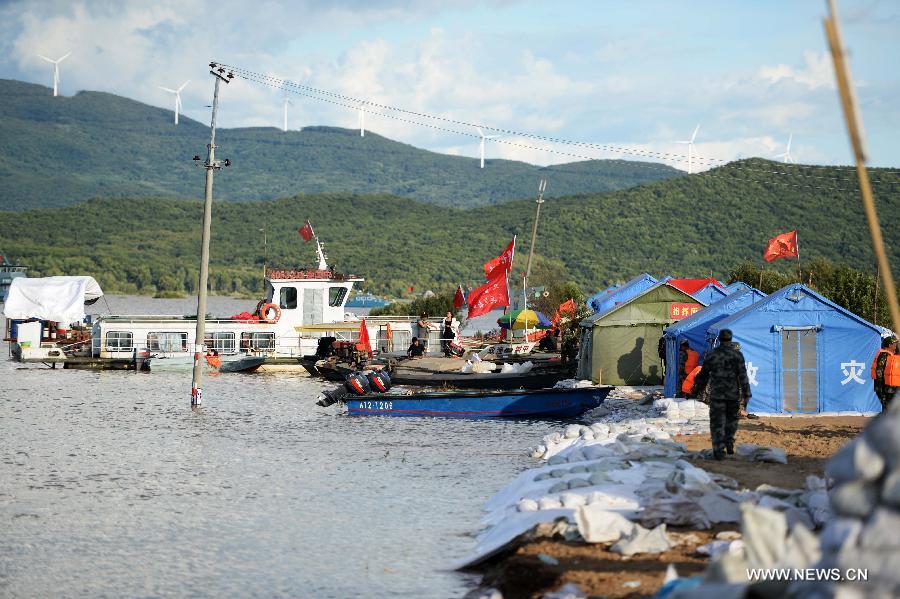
(110, 485)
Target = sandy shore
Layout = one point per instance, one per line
(808, 442)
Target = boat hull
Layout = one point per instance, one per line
(531, 380)
(540, 403)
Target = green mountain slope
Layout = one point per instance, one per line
(691, 226)
(59, 151)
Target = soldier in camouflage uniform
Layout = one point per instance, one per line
(724, 375)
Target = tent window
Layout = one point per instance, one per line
(799, 373)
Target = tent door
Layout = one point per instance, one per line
(799, 372)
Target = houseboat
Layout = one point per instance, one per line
(9, 271)
(300, 307)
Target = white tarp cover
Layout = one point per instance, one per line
(59, 299)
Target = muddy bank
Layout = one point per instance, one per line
(545, 565)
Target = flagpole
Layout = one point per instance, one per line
(799, 268)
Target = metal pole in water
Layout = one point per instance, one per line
(210, 166)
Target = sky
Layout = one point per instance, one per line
(623, 79)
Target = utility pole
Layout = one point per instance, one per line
(265, 252)
(855, 130)
(542, 186)
(211, 165)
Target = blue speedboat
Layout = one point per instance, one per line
(523, 403)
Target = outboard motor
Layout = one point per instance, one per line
(379, 381)
(356, 384)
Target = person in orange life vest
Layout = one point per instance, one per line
(688, 359)
(880, 371)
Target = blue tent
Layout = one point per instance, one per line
(805, 354)
(710, 294)
(737, 286)
(693, 329)
(610, 298)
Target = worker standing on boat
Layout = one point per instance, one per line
(883, 389)
(423, 329)
(724, 374)
(447, 335)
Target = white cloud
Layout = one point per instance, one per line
(816, 72)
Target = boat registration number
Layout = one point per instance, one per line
(376, 405)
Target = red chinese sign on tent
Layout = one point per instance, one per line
(782, 246)
(677, 311)
(492, 294)
(502, 263)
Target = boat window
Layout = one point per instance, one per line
(119, 341)
(336, 296)
(221, 342)
(258, 341)
(168, 342)
(288, 298)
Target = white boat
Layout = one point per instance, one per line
(300, 307)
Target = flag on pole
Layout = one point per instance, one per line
(503, 262)
(306, 231)
(566, 308)
(459, 299)
(364, 344)
(782, 246)
(492, 294)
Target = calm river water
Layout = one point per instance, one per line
(110, 485)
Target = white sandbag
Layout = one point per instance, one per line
(642, 540)
(857, 460)
(757, 453)
(572, 500)
(572, 431)
(483, 367)
(854, 499)
(883, 435)
(597, 525)
(764, 532)
(716, 548)
(466, 368)
(528, 505)
(882, 532)
(890, 490)
(549, 503)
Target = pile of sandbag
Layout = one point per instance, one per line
(865, 534)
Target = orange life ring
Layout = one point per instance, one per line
(264, 311)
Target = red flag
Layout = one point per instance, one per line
(306, 231)
(567, 308)
(782, 246)
(502, 262)
(363, 344)
(492, 294)
(459, 299)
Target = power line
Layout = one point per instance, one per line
(339, 99)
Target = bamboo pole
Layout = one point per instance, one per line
(854, 128)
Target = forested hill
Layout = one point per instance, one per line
(59, 151)
(690, 226)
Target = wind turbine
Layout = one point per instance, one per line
(690, 145)
(286, 102)
(362, 118)
(55, 64)
(787, 153)
(481, 144)
(177, 93)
